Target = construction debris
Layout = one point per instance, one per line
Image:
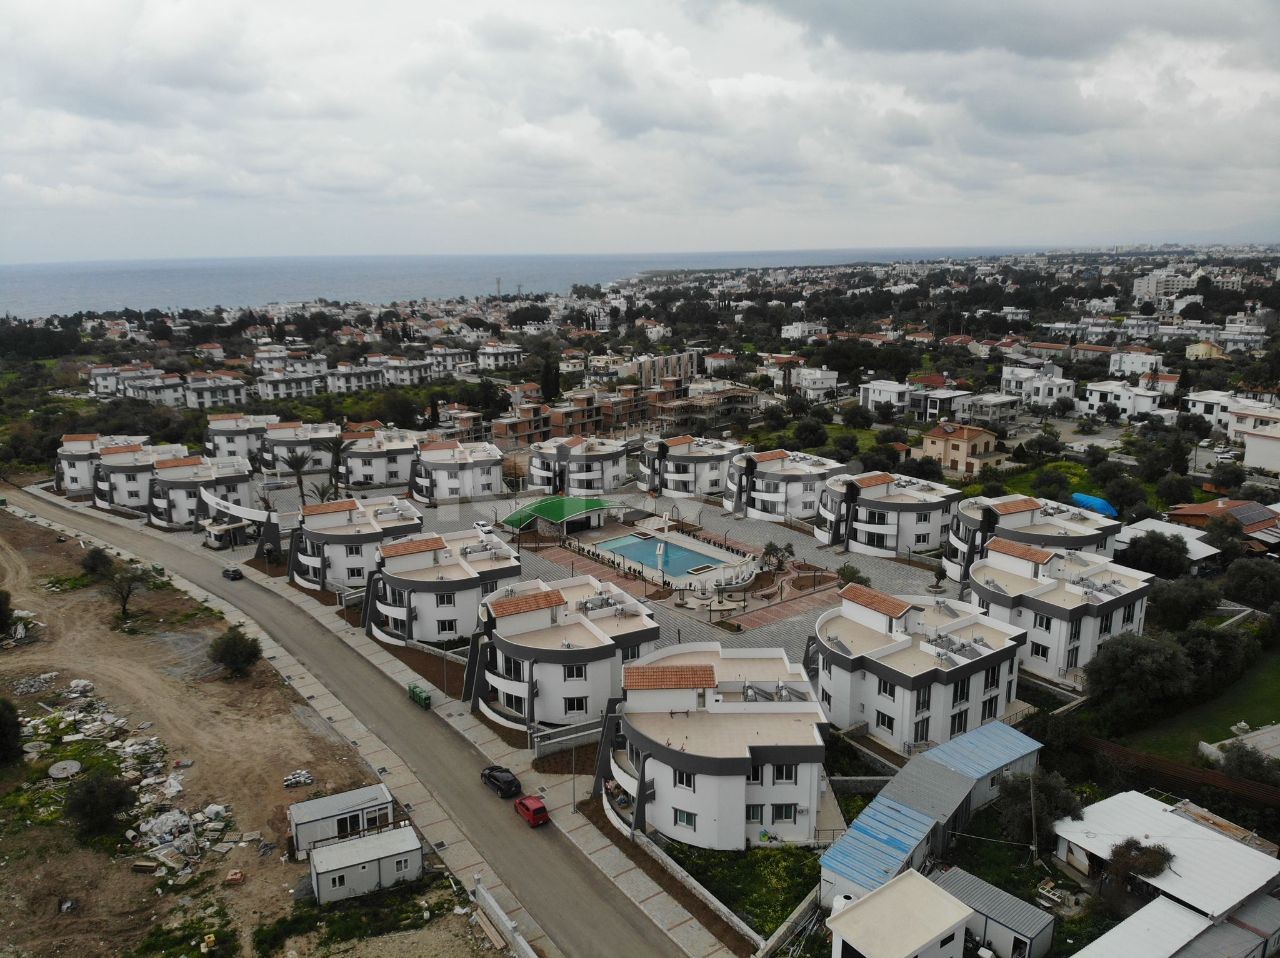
(298, 778)
(34, 684)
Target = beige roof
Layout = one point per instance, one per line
(530, 602)
(638, 677)
(881, 602)
(899, 919)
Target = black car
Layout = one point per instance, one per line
(232, 573)
(501, 780)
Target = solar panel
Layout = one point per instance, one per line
(1251, 512)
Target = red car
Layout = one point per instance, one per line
(532, 810)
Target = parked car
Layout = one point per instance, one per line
(1206, 443)
(232, 573)
(502, 780)
(532, 810)
(484, 528)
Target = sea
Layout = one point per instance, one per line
(35, 290)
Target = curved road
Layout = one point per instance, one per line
(582, 911)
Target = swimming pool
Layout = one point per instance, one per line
(675, 559)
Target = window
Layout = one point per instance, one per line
(488, 588)
(1105, 626)
(826, 699)
(809, 486)
(1074, 635)
(783, 813)
(397, 597)
(984, 605)
(683, 779)
(338, 881)
(960, 691)
(922, 538)
(630, 653)
(402, 865)
(355, 572)
(513, 669)
(887, 689)
(959, 723)
(885, 722)
(1039, 651)
(990, 707)
(575, 673)
(685, 819)
(920, 733)
(990, 678)
(446, 626)
(575, 703)
(355, 551)
(348, 825)
(1043, 622)
(948, 940)
(923, 698)
(514, 703)
(133, 494)
(444, 598)
(1128, 613)
(784, 775)
(755, 814)
(922, 517)
(756, 775)
(826, 664)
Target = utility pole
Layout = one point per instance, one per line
(498, 281)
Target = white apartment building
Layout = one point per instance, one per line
(1247, 415)
(215, 390)
(448, 470)
(803, 330)
(335, 548)
(817, 385)
(445, 359)
(175, 488)
(712, 747)
(282, 439)
(78, 458)
(166, 389)
(234, 434)
(492, 356)
(1161, 283)
(427, 588)
(553, 652)
(408, 372)
(1037, 387)
(350, 378)
(1018, 518)
(873, 394)
(686, 466)
(1262, 447)
(1135, 362)
(776, 485)
(577, 466)
(918, 670)
(289, 385)
(1068, 602)
(383, 457)
(1132, 400)
(122, 475)
(884, 514)
(1213, 404)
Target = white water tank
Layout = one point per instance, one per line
(840, 903)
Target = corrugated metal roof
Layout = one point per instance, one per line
(984, 751)
(1260, 913)
(367, 848)
(1221, 941)
(1156, 930)
(929, 787)
(1018, 916)
(878, 843)
(330, 805)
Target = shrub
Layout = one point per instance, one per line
(97, 563)
(851, 573)
(95, 800)
(10, 732)
(235, 651)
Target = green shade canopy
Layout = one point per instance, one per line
(557, 509)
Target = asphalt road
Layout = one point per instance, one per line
(583, 912)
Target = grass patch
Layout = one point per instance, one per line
(69, 583)
(184, 938)
(393, 909)
(1254, 698)
(201, 611)
(765, 439)
(36, 799)
(761, 885)
(1078, 474)
(851, 806)
(843, 759)
(1006, 866)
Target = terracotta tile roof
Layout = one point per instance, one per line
(1046, 345)
(412, 547)
(80, 437)
(881, 602)
(369, 426)
(1015, 506)
(1019, 551)
(326, 508)
(529, 602)
(963, 433)
(179, 463)
(443, 444)
(353, 436)
(872, 479)
(283, 425)
(638, 677)
(223, 416)
(773, 456)
(679, 441)
(112, 450)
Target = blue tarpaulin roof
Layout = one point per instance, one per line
(1094, 504)
(984, 751)
(878, 843)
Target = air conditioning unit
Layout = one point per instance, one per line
(802, 809)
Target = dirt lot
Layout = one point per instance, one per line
(241, 738)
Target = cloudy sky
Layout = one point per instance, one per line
(158, 128)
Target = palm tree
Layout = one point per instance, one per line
(323, 491)
(337, 449)
(296, 461)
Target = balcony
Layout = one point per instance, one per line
(623, 772)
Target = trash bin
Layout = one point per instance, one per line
(420, 696)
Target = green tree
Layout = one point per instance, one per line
(124, 585)
(337, 449)
(1110, 412)
(1063, 406)
(1161, 555)
(10, 732)
(851, 574)
(296, 462)
(549, 380)
(1223, 533)
(775, 417)
(810, 433)
(97, 562)
(1252, 582)
(778, 555)
(1240, 760)
(1172, 605)
(1051, 483)
(235, 651)
(1030, 804)
(1174, 488)
(1228, 475)
(1134, 679)
(1123, 492)
(96, 799)
(886, 412)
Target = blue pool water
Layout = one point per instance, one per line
(675, 559)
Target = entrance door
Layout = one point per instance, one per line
(348, 825)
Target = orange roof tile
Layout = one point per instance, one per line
(679, 441)
(283, 425)
(112, 450)
(873, 479)
(1015, 506)
(369, 426)
(770, 456)
(963, 433)
(529, 602)
(179, 463)
(1019, 551)
(80, 437)
(443, 444)
(223, 416)
(638, 677)
(412, 547)
(326, 508)
(881, 602)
